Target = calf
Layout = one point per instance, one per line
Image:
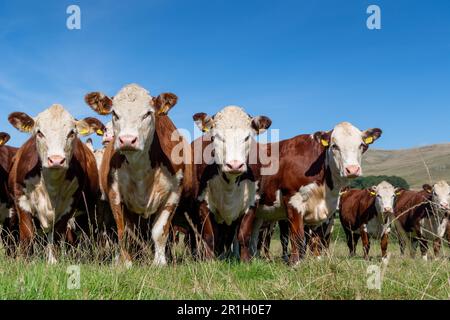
(7, 154)
(54, 175)
(140, 178)
(368, 212)
(422, 216)
(312, 171)
(228, 185)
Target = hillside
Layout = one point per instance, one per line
(410, 163)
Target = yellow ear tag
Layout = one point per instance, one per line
(163, 110)
(84, 132)
(324, 143)
(26, 128)
(368, 140)
(2, 142)
(100, 132)
(205, 129)
(373, 193)
(397, 193)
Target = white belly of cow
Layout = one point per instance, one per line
(48, 203)
(146, 192)
(433, 228)
(229, 201)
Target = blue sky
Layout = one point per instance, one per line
(306, 64)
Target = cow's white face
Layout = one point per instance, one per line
(133, 112)
(346, 144)
(232, 131)
(385, 195)
(108, 135)
(55, 131)
(440, 194)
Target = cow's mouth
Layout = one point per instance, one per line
(128, 149)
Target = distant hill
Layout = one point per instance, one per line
(410, 164)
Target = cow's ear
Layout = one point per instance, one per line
(372, 191)
(89, 126)
(4, 138)
(427, 188)
(398, 191)
(99, 102)
(371, 135)
(21, 121)
(261, 124)
(164, 102)
(323, 138)
(204, 122)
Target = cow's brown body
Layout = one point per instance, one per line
(82, 168)
(160, 159)
(219, 236)
(7, 155)
(410, 210)
(302, 163)
(356, 209)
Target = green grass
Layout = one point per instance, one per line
(334, 277)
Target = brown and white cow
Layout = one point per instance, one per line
(312, 171)
(227, 192)
(54, 176)
(142, 181)
(368, 212)
(422, 216)
(7, 154)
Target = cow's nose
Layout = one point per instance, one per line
(352, 171)
(445, 205)
(235, 166)
(56, 161)
(128, 141)
(388, 210)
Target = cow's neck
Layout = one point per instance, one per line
(333, 183)
(140, 160)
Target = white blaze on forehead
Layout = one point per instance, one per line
(348, 139)
(131, 104)
(441, 193)
(55, 124)
(232, 125)
(385, 196)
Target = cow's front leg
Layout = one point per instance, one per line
(26, 231)
(297, 234)
(245, 233)
(437, 244)
(119, 217)
(207, 230)
(365, 240)
(284, 238)
(50, 248)
(160, 234)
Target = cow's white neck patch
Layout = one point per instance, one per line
(228, 201)
(48, 197)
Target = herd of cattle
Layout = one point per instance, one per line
(137, 192)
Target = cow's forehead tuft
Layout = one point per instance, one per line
(232, 117)
(441, 185)
(56, 114)
(132, 94)
(347, 129)
(385, 186)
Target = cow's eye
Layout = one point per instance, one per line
(40, 134)
(71, 134)
(247, 138)
(115, 116)
(148, 114)
(335, 147)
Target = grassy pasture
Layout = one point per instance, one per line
(336, 276)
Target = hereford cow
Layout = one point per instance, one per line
(54, 176)
(422, 216)
(368, 212)
(228, 185)
(142, 181)
(7, 154)
(312, 171)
